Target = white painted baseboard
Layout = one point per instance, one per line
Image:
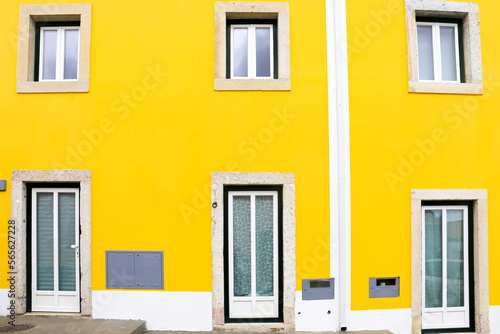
(397, 321)
(494, 319)
(4, 302)
(192, 311)
(179, 311)
(313, 316)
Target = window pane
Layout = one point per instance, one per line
(264, 224)
(425, 62)
(455, 260)
(263, 50)
(45, 242)
(433, 259)
(49, 53)
(71, 54)
(448, 53)
(242, 264)
(240, 52)
(67, 256)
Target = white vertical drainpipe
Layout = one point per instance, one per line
(339, 154)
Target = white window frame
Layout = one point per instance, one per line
(444, 310)
(60, 52)
(254, 299)
(436, 50)
(252, 50)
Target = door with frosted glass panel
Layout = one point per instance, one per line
(55, 274)
(253, 255)
(445, 269)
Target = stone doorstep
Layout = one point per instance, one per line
(53, 315)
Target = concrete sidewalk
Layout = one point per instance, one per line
(71, 325)
(348, 332)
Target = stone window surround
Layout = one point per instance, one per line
(29, 15)
(479, 197)
(467, 11)
(219, 180)
(18, 213)
(252, 10)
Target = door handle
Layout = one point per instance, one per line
(75, 247)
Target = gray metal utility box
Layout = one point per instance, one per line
(317, 289)
(134, 270)
(384, 287)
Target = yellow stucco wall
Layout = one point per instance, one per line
(152, 150)
(387, 126)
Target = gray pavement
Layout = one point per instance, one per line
(72, 324)
(347, 332)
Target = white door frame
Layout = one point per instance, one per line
(261, 307)
(444, 316)
(62, 301)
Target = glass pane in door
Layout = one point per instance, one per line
(67, 258)
(455, 258)
(45, 242)
(242, 246)
(433, 259)
(264, 219)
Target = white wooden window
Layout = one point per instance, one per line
(59, 50)
(253, 254)
(445, 267)
(438, 52)
(252, 51)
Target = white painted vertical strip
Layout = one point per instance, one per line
(333, 157)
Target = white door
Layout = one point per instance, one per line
(253, 254)
(55, 250)
(445, 267)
